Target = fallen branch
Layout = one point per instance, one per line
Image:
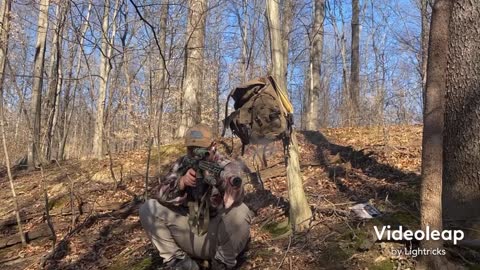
(280, 170)
(39, 232)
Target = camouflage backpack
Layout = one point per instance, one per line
(263, 113)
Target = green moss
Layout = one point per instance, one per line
(277, 229)
(407, 197)
(336, 252)
(383, 265)
(58, 202)
(355, 240)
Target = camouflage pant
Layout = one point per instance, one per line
(171, 234)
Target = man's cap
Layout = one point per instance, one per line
(199, 135)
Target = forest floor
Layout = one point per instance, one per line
(341, 167)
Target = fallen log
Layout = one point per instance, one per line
(38, 232)
(11, 221)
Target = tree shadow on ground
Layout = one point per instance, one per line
(358, 166)
(115, 220)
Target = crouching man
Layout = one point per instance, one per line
(198, 211)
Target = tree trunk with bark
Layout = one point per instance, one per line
(424, 37)
(433, 122)
(461, 189)
(194, 54)
(98, 144)
(287, 14)
(276, 42)
(67, 115)
(244, 42)
(5, 10)
(55, 74)
(355, 65)
(313, 122)
(38, 67)
(300, 212)
(163, 80)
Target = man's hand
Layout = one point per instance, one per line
(188, 180)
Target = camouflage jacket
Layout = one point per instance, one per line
(169, 194)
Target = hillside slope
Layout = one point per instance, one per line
(341, 167)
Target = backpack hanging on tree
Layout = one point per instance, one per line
(263, 113)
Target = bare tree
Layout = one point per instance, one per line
(315, 90)
(342, 43)
(52, 102)
(39, 60)
(276, 42)
(194, 51)
(300, 212)
(424, 38)
(70, 100)
(355, 65)
(432, 152)
(105, 68)
(98, 139)
(5, 9)
(163, 80)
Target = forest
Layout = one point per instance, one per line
(381, 100)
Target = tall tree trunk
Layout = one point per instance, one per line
(162, 75)
(433, 120)
(55, 83)
(461, 189)
(130, 117)
(98, 148)
(64, 118)
(287, 21)
(35, 107)
(313, 122)
(307, 86)
(342, 43)
(68, 115)
(5, 10)
(193, 82)
(276, 42)
(217, 95)
(424, 37)
(300, 212)
(244, 42)
(355, 64)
